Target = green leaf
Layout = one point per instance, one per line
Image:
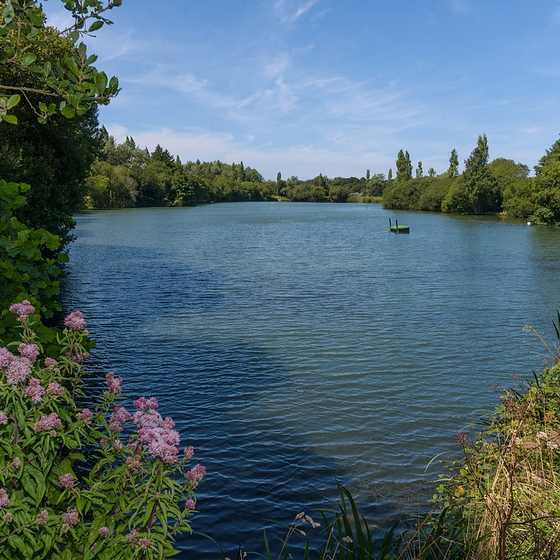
(13, 101)
(28, 59)
(12, 119)
(68, 112)
(95, 26)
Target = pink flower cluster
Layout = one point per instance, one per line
(42, 518)
(190, 504)
(156, 434)
(4, 500)
(66, 481)
(34, 390)
(3, 418)
(85, 416)
(55, 389)
(114, 383)
(118, 418)
(51, 363)
(195, 475)
(23, 309)
(47, 423)
(104, 532)
(29, 351)
(75, 321)
(71, 517)
(16, 368)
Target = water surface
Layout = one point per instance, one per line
(298, 343)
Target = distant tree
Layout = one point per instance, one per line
(547, 194)
(390, 175)
(367, 175)
(419, 171)
(404, 166)
(432, 172)
(551, 155)
(477, 190)
(453, 170)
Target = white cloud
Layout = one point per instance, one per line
(289, 13)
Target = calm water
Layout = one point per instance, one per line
(298, 343)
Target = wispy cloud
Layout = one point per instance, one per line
(289, 13)
(460, 6)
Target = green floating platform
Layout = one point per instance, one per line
(398, 229)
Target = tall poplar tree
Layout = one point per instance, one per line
(453, 169)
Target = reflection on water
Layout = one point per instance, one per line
(298, 343)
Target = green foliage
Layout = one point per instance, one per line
(477, 191)
(137, 493)
(26, 273)
(518, 198)
(69, 86)
(551, 156)
(547, 194)
(453, 170)
(426, 193)
(404, 167)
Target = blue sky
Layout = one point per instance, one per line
(332, 86)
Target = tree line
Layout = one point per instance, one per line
(500, 186)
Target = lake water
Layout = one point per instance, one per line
(296, 344)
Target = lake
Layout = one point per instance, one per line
(297, 344)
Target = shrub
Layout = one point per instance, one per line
(79, 483)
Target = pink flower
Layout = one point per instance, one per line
(48, 423)
(16, 463)
(51, 363)
(19, 369)
(132, 538)
(117, 445)
(118, 418)
(85, 416)
(188, 451)
(195, 475)
(190, 504)
(71, 516)
(161, 443)
(5, 358)
(23, 309)
(103, 532)
(113, 383)
(147, 419)
(146, 404)
(29, 351)
(42, 518)
(34, 390)
(3, 498)
(3, 418)
(144, 542)
(66, 481)
(75, 321)
(55, 389)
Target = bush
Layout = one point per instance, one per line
(77, 483)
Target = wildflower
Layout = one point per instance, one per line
(19, 369)
(146, 404)
(34, 390)
(132, 537)
(23, 309)
(160, 442)
(103, 532)
(66, 481)
(8, 517)
(42, 518)
(5, 358)
(147, 419)
(16, 463)
(144, 542)
(71, 516)
(188, 451)
(75, 321)
(85, 416)
(120, 416)
(29, 351)
(195, 475)
(190, 504)
(113, 383)
(117, 445)
(48, 423)
(51, 363)
(3, 498)
(3, 418)
(55, 389)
